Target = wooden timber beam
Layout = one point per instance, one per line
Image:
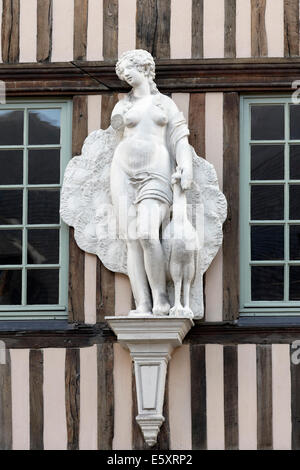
(187, 75)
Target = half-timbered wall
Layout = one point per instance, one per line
(223, 391)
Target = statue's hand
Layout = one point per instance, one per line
(184, 176)
(186, 179)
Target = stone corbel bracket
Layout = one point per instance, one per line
(151, 341)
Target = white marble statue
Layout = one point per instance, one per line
(143, 201)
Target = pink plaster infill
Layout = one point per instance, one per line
(62, 30)
(20, 399)
(1, 8)
(243, 28)
(247, 393)
(181, 29)
(88, 399)
(180, 399)
(123, 399)
(275, 27)
(215, 397)
(213, 28)
(214, 154)
(126, 26)
(55, 426)
(95, 30)
(28, 30)
(182, 101)
(123, 294)
(281, 386)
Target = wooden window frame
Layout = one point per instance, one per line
(248, 307)
(45, 312)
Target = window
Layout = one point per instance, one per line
(35, 146)
(270, 206)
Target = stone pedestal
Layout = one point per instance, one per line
(151, 341)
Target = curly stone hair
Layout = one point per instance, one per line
(144, 62)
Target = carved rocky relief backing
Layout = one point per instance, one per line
(143, 201)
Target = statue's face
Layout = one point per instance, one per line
(131, 74)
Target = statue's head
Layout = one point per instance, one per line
(142, 61)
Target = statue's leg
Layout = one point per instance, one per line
(150, 216)
(138, 278)
(127, 220)
(188, 274)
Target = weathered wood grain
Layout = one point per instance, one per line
(80, 29)
(5, 404)
(105, 358)
(231, 398)
(230, 29)
(264, 397)
(259, 45)
(197, 28)
(291, 28)
(197, 122)
(153, 27)
(110, 29)
(105, 294)
(258, 74)
(295, 403)
(44, 30)
(76, 255)
(198, 397)
(231, 191)
(10, 31)
(36, 368)
(72, 393)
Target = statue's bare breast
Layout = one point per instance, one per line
(143, 146)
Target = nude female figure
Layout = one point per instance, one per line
(153, 143)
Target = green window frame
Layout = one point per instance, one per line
(22, 309)
(286, 263)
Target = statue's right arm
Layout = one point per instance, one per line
(117, 119)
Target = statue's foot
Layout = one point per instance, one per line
(177, 311)
(161, 308)
(187, 312)
(142, 309)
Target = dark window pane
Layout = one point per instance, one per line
(44, 166)
(267, 162)
(294, 241)
(267, 282)
(10, 246)
(294, 282)
(294, 202)
(11, 127)
(43, 206)
(43, 246)
(44, 126)
(11, 203)
(295, 162)
(10, 287)
(11, 164)
(267, 242)
(267, 122)
(294, 122)
(42, 286)
(267, 202)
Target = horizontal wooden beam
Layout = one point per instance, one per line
(58, 334)
(188, 75)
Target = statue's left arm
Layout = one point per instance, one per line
(184, 160)
(178, 142)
